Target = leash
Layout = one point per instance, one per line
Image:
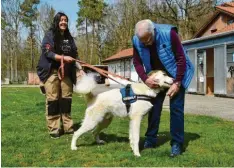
(99, 70)
(103, 72)
(61, 69)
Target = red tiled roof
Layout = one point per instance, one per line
(226, 29)
(227, 7)
(120, 55)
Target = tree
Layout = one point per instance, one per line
(187, 15)
(29, 16)
(119, 23)
(11, 26)
(45, 19)
(82, 19)
(91, 12)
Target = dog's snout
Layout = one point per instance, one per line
(170, 80)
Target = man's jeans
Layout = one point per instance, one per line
(176, 117)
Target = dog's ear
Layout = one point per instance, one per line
(152, 72)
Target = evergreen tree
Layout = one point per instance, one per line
(91, 12)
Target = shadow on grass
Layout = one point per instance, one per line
(164, 137)
(189, 137)
(112, 138)
(107, 138)
(76, 126)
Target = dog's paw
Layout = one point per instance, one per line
(74, 148)
(101, 142)
(137, 154)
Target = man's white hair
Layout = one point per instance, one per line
(144, 26)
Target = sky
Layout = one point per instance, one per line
(70, 8)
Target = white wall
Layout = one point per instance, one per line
(117, 67)
(114, 67)
(134, 75)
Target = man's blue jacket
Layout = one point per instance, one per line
(165, 53)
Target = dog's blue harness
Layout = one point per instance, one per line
(129, 97)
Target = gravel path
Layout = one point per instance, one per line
(197, 104)
(208, 105)
(194, 104)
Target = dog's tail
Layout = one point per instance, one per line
(86, 84)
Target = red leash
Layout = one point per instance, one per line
(61, 69)
(84, 64)
(102, 72)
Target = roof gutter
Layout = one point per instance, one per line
(115, 59)
(208, 37)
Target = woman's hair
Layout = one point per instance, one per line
(55, 28)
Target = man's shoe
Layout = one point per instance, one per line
(176, 149)
(55, 136)
(148, 145)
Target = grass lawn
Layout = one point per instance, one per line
(25, 142)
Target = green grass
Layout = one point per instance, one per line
(25, 141)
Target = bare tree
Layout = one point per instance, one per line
(44, 20)
(187, 15)
(11, 10)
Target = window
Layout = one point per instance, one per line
(230, 21)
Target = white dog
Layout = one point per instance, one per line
(102, 107)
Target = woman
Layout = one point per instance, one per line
(58, 44)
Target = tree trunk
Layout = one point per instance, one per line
(8, 75)
(99, 45)
(32, 56)
(91, 55)
(11, 63)
(87, 40)
(15, 55)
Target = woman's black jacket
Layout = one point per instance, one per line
(66, 47)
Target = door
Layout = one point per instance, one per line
(210, 71)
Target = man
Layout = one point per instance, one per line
(157, 47)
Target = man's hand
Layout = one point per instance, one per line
(173, 90)
(151, 83)
(68, 59)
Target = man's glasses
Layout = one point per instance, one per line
(149, 41)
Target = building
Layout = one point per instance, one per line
(121, 64)
(212, 53)
(211, 50)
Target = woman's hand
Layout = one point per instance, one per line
(82, 73)
(68, 59)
